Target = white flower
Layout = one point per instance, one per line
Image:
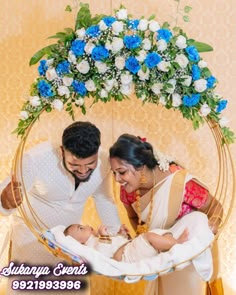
(143, 96)
(143, 75)
(141, 55)
(121, 14)
(126, 78)
(79, 101)
(202, 64)
(103, 93)
(67, 81)
(83, 67)
(108, 45)
(101, 66)
(102, 25)
(35, 101)
(63, 90)
(162, 160)
(120, 62)
(24, 115)
(90, 85)
(181, 42)
(154, 26)
(89, 47)
(171, 88)
(156, 88)
(224, 122)
(182, 60)
(161, 45)
(164, 66)
(57, 104)
(143, 24)
(200, 85)
(80, 33)
(117, 27)
(51, 74)
(109, 84)
(162, 100)
(187, 80)
(72, 57)
(146, 44)
(50, 62)
(176, 100)
(117, 44)
(205, 110)
(127, 89)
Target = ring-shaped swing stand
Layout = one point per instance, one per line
(224, 193)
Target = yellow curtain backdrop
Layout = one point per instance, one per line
(25, 26)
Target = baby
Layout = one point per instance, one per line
(123, 249)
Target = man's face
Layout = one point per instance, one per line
(80, 168)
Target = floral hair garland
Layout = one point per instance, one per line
(111, 57)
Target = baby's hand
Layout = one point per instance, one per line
(102, 230)
(124, 231)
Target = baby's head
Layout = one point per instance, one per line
(80, 233)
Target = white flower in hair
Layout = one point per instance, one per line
(162, 160)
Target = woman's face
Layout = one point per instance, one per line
(125, 174)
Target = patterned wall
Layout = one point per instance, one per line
(24, 28)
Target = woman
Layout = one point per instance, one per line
(156, 192)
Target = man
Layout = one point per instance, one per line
(58, 184)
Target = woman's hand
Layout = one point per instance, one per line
(9, 199)
(124, 231)
(102, 230)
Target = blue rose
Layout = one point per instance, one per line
(93, 31)
(77, 47)
(42, 67)
(152, 59)
(109, 20)
(133, 24)
(63, 68)
(221, 105)
(45, 89)
(79, 87)
(196, 72)
(132, 65)
(190, 101)
(193, 54)
(132, 42)
(210, 81)
(164, 34)
(99, 53)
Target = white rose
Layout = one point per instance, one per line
(224, 122)
(154, 26)
(109, 84)
(24, 115)
(67, 81)
(117, 44)
(202, 64)
(187, 80)
(141, 55)
(205, 110)
(102, 26)
(146, 44)
(35, 101)
(143, 24)
(83, 67)
(126, 89)
(57, 104)
(161, 45)
(181, 42)
(101, 66)
(171, 88)
(117, 27)
(156, 88)
(63, 90)
(200, 85)
(89, 47)
(164, 66)
(182, 60)
(72, 57)
(162, 100)
(120, 62)
(90, 85)
(80, 33)
(176, 100)
(143, 75)
(121, 14)
(51, 74)
(126, 78)
(103, 93)
(79, 101)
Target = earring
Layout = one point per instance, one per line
(143, 178)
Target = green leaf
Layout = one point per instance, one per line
(39, 54)
(202, 47)
(152, 17)
(83, 18)
(186, 18)
(68, 8)
(187, 9)
(58, 35)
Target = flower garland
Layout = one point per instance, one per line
(111, 57)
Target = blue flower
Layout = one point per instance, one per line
(190, 101)
(99, 53)
(45, 89)
(63, 68)
(77, 47)
(133, 24)
(93, 31)
(210, 81)
(42, 67)
(164, 34)
(196, 72)
(132, 42)
(152, 59)
(79, 87)
(132, 65)
(221, 105)
(193, 54)
(109, 20)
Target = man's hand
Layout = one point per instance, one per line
(8, 199)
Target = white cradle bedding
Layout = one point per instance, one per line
(196, 250)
